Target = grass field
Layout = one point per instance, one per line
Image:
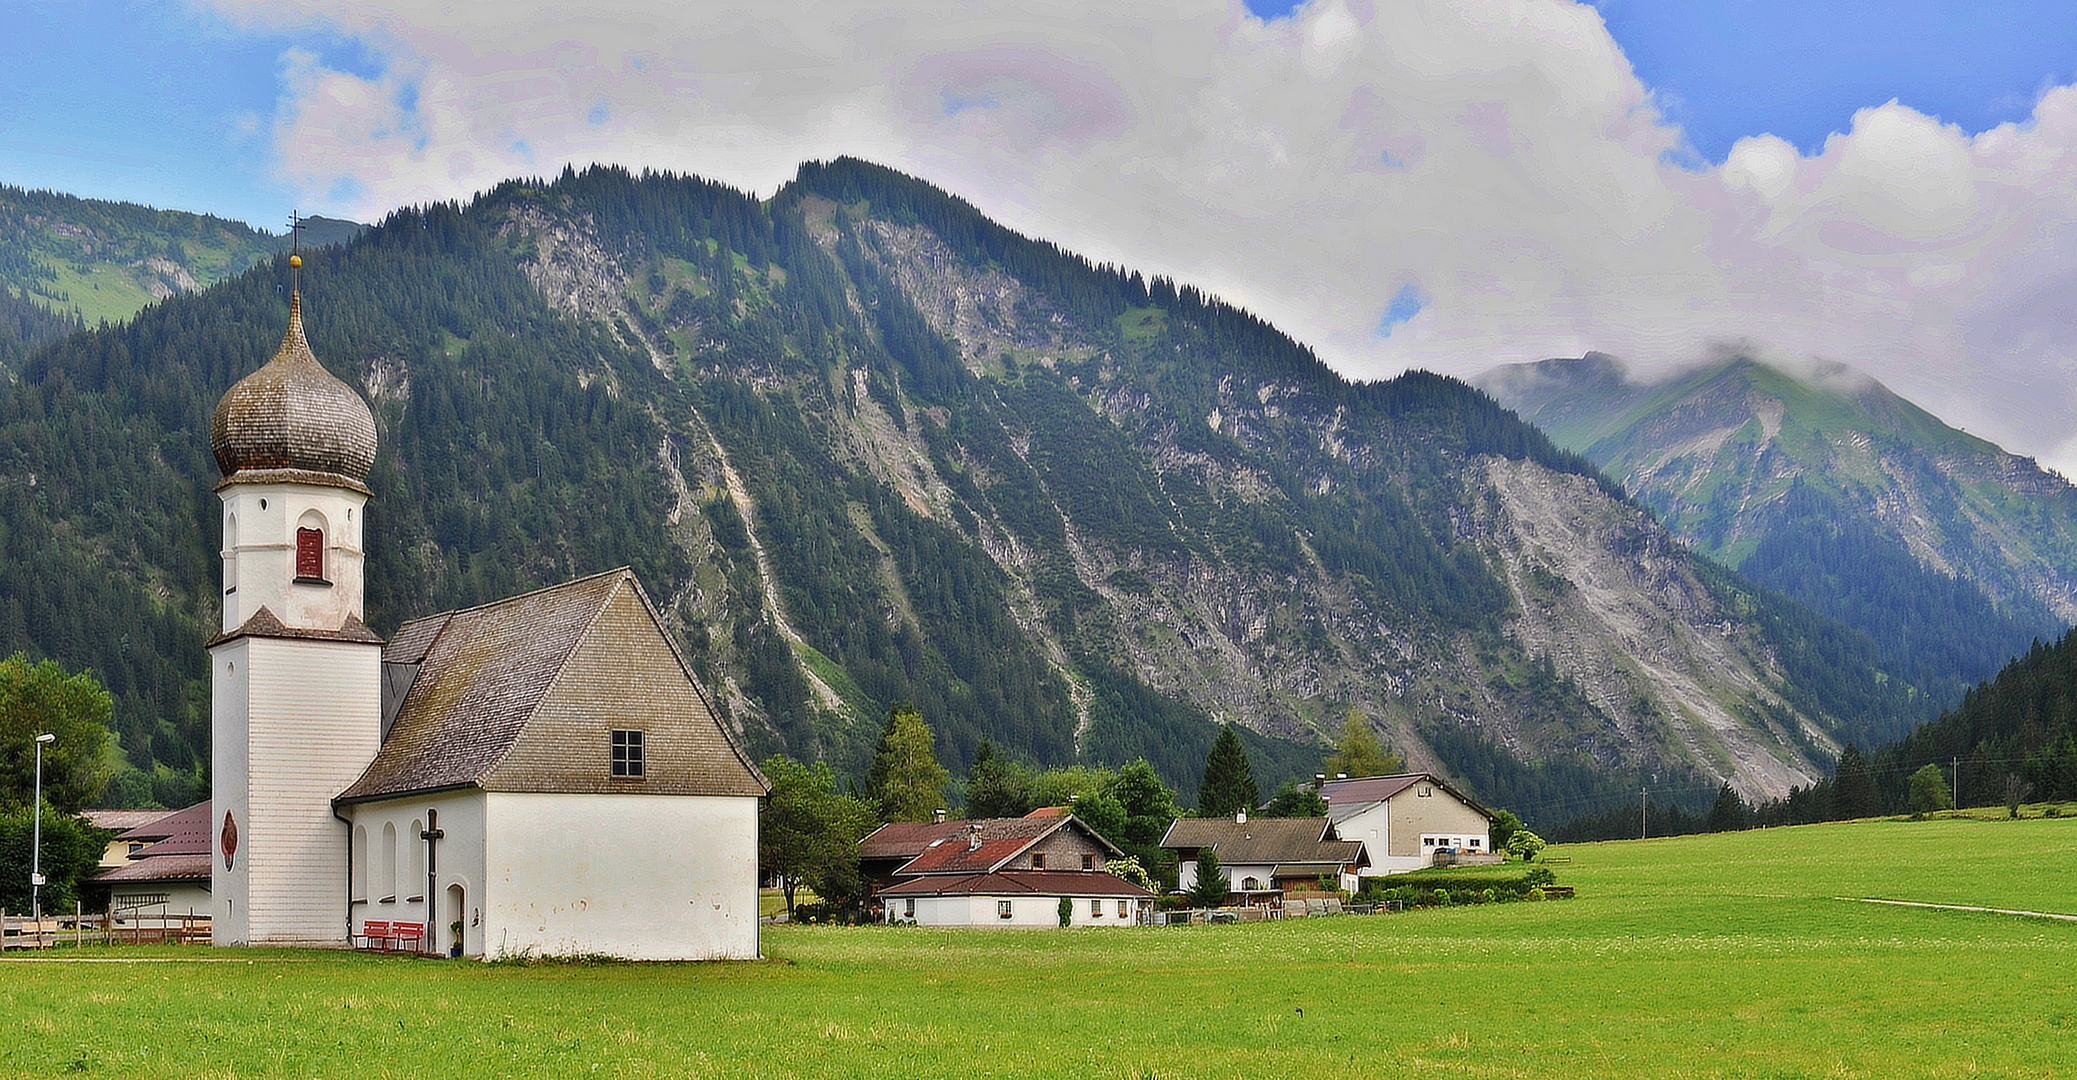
(1715, 956)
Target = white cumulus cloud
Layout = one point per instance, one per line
(1497, 159)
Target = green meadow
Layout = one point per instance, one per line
(1735, 955)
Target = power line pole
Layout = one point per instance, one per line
(1954, 766)
(1641, 803)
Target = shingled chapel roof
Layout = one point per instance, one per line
(524, 694)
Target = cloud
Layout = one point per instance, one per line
(1498, 157)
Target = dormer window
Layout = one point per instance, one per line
(627, 754)
(310, 556)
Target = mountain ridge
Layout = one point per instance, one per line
(866, 446)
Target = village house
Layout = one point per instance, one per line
(1262, 858)
(999, 872)
(159, 867)
(1409, 821)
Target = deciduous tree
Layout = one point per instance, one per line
(1291, 800)
(808, 833)
(43, 698)
(905, 779)
(1359, 753)
(1929, 790)
(1524, 845)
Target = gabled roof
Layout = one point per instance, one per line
(946, 847)
(520, 695)
(197, 866)
(182, 832)
(1349, 797)
(184, 846)
(1264, 840)
(1020, 882)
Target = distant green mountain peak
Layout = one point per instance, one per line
(1824, 484)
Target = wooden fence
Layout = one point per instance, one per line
(22, 932)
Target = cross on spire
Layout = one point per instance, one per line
(295, 253)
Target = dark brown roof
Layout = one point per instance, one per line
(522, 694)
(1014, 882)
(181, 832)
(945, 847)
(266, 624)
(1263, 840)
(292, 416)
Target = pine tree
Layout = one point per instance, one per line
(1211, 886)
(1229, 780)
(1729, 814)
(1853, 790)
(995, 786)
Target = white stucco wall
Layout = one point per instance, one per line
(180, 899)
(1392, 831)
(649, 877)
(458, 859)
(259, 553)
(1026, 912)
(1186, 874)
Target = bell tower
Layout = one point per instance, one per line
(295, 674)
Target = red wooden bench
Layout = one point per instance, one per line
(391, 936)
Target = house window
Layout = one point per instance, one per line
(1096, 909)
(1425, 791)
(1002, 909)
(627, 754)
(310, 555)
(908, 908)
(1038, 860)
(1471, 843)
(1088, 862)
(1249, 884)
(1122, 910)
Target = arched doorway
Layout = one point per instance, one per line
(457, 915)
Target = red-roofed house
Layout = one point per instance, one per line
(167, 869)
(999, 872)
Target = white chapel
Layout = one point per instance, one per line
(536, 776)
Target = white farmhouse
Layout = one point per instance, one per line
(542, 771)
(1408, 821)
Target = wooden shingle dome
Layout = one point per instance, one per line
(292, 420)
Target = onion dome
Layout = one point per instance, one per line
(292, 420)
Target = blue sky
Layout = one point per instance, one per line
(1449, 184)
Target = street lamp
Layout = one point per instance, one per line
(36, 839)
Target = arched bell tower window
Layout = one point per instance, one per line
(310, 550)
